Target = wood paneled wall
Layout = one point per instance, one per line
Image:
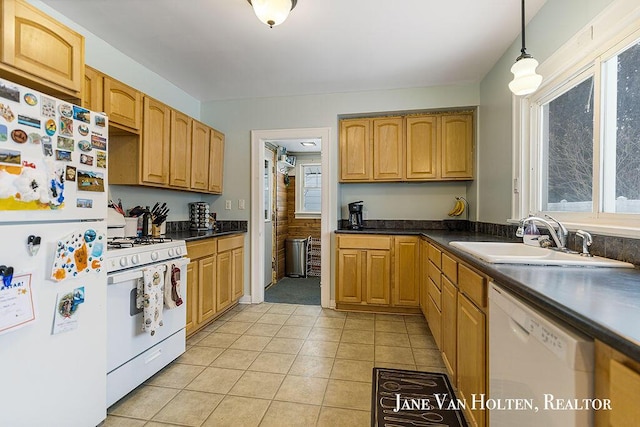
(299, 228)
(282, 223)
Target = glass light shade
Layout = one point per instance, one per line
(525, 79)
(272, 12)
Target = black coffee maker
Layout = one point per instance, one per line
(355, 215)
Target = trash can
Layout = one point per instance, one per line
(295, 253)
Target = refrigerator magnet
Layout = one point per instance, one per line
(19, 136)
(6, 113)
(100, 121)
(9, 91)
(83, 130)
(84, 203)
(10, 157)
(86, 159)
(35, 138)
(4, 133)
(66, 126)
(90, 181)
(65, 110)
(70, 173)
(29, 121)
(48, 107)
(30, 99)
(81, 114)
(64, 156)
(65, 143)
(101, 159)
(98, 142)
(16, 304)
(50, 127)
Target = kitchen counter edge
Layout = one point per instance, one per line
(191, 236)
(557, 291)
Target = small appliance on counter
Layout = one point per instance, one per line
(199, 216)
(355, 215)
(115, 224)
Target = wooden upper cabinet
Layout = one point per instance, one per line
(200, 148)
(216, 162)
(421, 147)
(155, 142)
(39, 51)
(92, 90)
(123, 105)
(355, 150)
(388, 149)
(180, 150)
(457, 146)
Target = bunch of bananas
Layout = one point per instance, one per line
(458, 208)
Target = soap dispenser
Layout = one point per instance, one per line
(531, 235)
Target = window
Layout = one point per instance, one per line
(308, 190)
(580, 158)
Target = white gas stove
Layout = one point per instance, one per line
(125, 253)
(134, 355)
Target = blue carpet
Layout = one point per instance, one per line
(295, 291)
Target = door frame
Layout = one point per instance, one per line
(258, 138)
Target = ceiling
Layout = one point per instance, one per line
(219, 50)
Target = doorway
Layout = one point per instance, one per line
(258, 194)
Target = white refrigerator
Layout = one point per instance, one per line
(53, 204)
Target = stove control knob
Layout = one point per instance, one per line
(135, 259)
(171, 252)
(123, 262)
(154, 256)
(178, 251)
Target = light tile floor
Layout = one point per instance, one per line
(279, 365)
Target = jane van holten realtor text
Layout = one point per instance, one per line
(442, 401)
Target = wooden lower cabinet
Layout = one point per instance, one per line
(424, 276)
(378, 272)
(192, 303)
(617, 377)
(207, 286)
(449, 326)
(406, 291)
(472, 356)
(215, 278)
(456, 304)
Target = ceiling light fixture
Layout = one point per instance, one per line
(525, 79)
(272, 12)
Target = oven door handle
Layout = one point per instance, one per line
(137, 274)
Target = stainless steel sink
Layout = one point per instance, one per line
(519, 253)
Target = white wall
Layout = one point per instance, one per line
(236, 118)
(555, 23)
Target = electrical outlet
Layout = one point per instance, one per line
(241, 204)
(227, 205)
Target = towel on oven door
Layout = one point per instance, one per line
(172, 297)
(150, 297)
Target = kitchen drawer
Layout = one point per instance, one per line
(229, 243)
(435, 255)
(473, 285)
(435, 294)
(364, 242)
(201, 248)
(434, 274)
(450, 268)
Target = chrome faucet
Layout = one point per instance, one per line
(587, 240)
(559, 237)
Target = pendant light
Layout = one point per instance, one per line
(525, 79)
(272, 12)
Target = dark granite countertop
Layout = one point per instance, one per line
(603, 303)
(192, 235)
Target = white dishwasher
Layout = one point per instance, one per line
(537, 361)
